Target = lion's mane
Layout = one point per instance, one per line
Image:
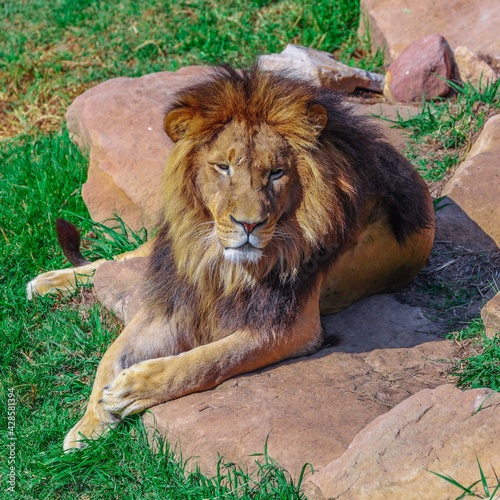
(341, 169)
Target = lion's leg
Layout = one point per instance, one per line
(156, 381)
(120, 391)
(144, 338)
(64, 281)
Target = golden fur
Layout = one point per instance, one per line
(277, 200)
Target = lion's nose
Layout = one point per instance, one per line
(248, 226)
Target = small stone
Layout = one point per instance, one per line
(474, 69)
(490, 314)
(321, 68)
(420, 71)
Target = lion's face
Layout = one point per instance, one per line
(248, 187)
(247, 179)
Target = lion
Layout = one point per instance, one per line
(280, 205)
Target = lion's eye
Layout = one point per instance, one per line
(223, 168)
(276, 174)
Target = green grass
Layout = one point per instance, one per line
(48, 55)
(443, 131)
(121, 465)
(481, 366)
(110, 238)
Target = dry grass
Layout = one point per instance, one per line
(454, 285)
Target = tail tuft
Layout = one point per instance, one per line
(69, 240)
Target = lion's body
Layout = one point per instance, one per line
(278, 201)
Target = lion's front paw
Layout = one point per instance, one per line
(132, 391)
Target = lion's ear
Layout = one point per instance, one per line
(318, 116)
(176, 123)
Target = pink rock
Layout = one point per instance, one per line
(454, 225)
(420, 71)
(471, 210)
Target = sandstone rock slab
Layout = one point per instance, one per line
(120, 123)
(419, 72)
(441, 430)
(454, 225)
(321, 68)
(394, 24)
(475, 190)
(309, 409)
(490, 314)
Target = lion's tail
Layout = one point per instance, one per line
(68, 237)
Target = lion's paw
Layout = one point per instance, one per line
(132, 391)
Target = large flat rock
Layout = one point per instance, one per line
(443, 430)
(394, 24)
(310, 409)
(377, 353)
